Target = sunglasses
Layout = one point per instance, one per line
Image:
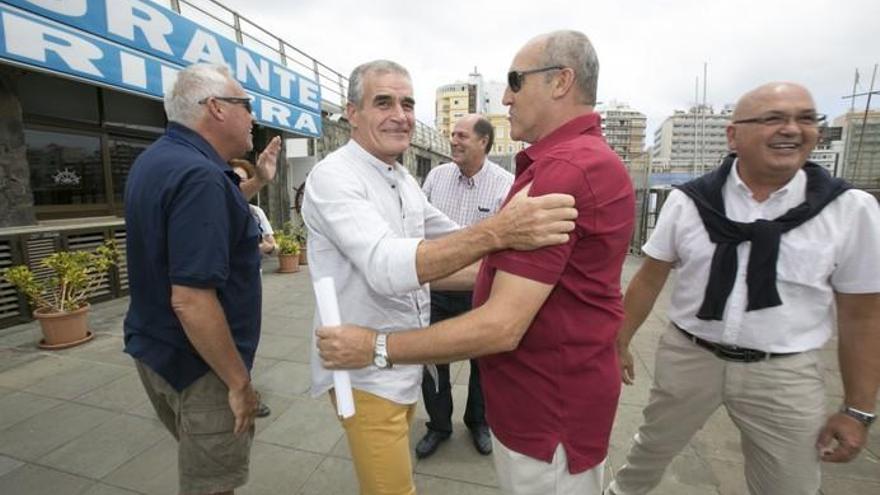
(237, 100)
(515, 78)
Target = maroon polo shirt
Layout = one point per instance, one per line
(562, 383)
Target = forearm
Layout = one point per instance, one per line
(439, 258)
(206, 328)
(859, 348)
(640, 297)
(462, 280)
(251, 187)
(475, 333)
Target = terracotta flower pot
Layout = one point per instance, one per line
(288, 263)
(65, 329)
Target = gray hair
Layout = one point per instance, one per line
(573, 49)
(379, 67)
(193, 84)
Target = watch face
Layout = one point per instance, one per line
(380, 361)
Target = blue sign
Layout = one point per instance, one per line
(139, 46)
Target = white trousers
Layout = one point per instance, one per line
(520, 474)
(778, 405)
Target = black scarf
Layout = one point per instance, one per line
(705, 191)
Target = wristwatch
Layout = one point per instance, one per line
(380, 352)
(863, 417)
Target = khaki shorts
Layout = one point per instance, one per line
(210, 457)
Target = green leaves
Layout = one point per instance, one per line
(76, 275)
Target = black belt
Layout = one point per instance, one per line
(732, 352)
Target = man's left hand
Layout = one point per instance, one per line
(841, 439)
(267, 161)
(346, 346)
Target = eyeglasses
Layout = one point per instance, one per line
(778, 120)
(515, 78)
(237, 100)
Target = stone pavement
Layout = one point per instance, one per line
(78, 422)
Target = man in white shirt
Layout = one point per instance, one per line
(771, 255)
(468, 189)
(373, 231)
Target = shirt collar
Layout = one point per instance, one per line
(475, 179)
(795, 186)
(183, 133)
(589, 123)
(389, 172)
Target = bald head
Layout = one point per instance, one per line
(757, 101)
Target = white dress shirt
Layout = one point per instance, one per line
(365, 220)
(467, 200)
(837, 250)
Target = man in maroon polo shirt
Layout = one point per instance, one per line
(545, 321)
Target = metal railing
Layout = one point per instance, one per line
(334, 85)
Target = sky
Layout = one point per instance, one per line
(650, 52)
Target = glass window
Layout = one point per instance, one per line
(133, 112)
(123, 152)
(66, 168)
(51, 96)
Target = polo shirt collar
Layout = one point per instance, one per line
(193, 138)
(589, 123)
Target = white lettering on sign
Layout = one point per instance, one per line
(134, 70)
(33, 40)
(306, 121)
(204, 48)
(244, 65)
(122, 21)
(287, 79)
(308, 94)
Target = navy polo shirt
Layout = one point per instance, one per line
(187, 223)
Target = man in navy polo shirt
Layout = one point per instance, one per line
(193, 322)
(544, 320)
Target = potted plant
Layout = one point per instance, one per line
(300, 233)
(61, 300)
(288, 253)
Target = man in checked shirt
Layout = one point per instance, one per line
(467, 190)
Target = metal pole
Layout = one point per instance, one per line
(703, 122)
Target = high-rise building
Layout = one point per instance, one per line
(691, 142)
(453, 102)
(624, 130)
(861, 141)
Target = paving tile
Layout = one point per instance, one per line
(836, 486)
(285, 378)
(277, 469)
(460, 462)
(865, 467)
(282, 346)
(333, 476)
(18, 406)
(309, 424)
(153, 471)
(24, 338)
(102, 489)
(105, 348)
(35, 437)
(106, 447)
(8, 464)
(278, 404)
(431, 485)
(77, 380)
(33, 368)
(30, 479)
(119, 395)
(730, 475)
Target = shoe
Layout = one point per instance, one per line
(429, 443)
(482, 440)
(263, 410)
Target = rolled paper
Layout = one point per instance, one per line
(328, 309)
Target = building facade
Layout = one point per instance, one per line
(860, 164)
(691, 142)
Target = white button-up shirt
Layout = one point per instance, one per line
(365, 220)
(837, 250)
(468, 200)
